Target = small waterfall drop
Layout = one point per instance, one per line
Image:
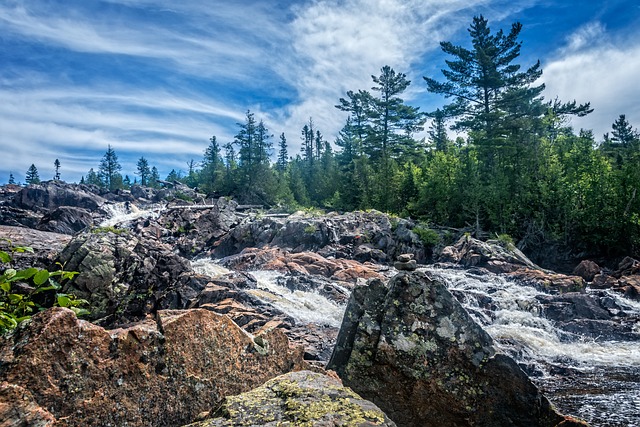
(122, 212)
(305, 307)
(595, 380)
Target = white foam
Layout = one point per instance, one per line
(518, 318)
(305, 307)
(121, 212)
(209, 268)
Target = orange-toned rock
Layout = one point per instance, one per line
(160, 372)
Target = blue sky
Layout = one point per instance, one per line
(158, 78)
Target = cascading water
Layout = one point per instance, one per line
(598, 381)
(122, 212)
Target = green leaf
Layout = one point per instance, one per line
(9, 273)
(5, 286)
(15, 298)
(80, 311)
(26, 274)
(5, 257)
(41, 277)
(64, 300)
(21, 249)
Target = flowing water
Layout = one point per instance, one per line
(123, 212)
(598, 381)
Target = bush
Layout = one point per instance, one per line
(428, 236)
(22, 292)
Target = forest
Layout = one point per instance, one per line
(517, 169)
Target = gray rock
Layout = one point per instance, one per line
(414, 351)
(299, 398)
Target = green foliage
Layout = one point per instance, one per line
(310, 229)
(506, 241)
(20, 291)
(427, 236)
(108, 229)
(32, 176)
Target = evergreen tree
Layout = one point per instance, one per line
(154, 177)
(192, 177)
(109, 169)
(173, 176)
(56, 165)
(32, 176)
(438, 131)
(12, 180)
(211, 166)
(283, 156)
(93, 178)
(126, 182)
(623, 133)
(143, 171)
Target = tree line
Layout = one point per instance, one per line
(517, 167)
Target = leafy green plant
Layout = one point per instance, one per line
(310, 229)
(506, 241)
(20, 291)
(108, 229)
(428, 236)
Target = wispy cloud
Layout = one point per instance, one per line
(599, 67)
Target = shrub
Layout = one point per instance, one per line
(20, 291)
(428, 236)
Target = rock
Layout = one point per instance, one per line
(572, 305)
(587, 270)
(302, 263)
(45, 246)
(50, 195)
(470, 252)
(406, 266)
(405, 257)
(161, 372)
(66, 220)
(367, 235)
(19, 409)
(299, 398)
(125, 277)
(414, 351)
(548, 281)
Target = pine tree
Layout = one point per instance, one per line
(283, 156)
(32, 176)
(93, 178)
(12, 180)
(109, 169)
(211, 166)
(154, 177)
(438, 131)
(623, 133)
(126, 182)
(56, 165)
(143, 171)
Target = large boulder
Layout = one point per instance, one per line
(45, 246)
(126, 276)
(50, 195)
(363, 235)
(504, 258)
(160, 372)
(299, 399)
(66, 220)
(414, 351)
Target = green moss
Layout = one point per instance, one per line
(109, 229)
(310, 229)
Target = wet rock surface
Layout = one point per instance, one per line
(501, 258)
(45, 245)
(296, 399)
(414, 351)
(161, 372)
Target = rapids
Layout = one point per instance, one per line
(122, 212)
(596, 380)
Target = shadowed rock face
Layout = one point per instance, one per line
(413, 350)
(302, 399)
(160, 372)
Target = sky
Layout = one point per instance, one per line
(158, 78)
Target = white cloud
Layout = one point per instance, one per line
(596, 67)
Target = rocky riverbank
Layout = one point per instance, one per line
(165, 334)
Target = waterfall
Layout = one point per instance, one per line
(595, 380)
(122, 212)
